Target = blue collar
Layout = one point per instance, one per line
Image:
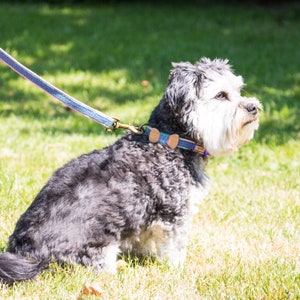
(174, 141)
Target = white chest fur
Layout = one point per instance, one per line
(197, 195)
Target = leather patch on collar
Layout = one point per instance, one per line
(154, 135)
(173, 141)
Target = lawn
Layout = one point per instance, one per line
(245, 240)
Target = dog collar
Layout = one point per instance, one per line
(174, 141)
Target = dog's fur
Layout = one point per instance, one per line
(136, 195)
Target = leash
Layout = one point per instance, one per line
(110, 123)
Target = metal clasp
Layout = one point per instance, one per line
(116, 125)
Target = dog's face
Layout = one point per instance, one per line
(206, 99)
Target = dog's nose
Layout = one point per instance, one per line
(251, 108)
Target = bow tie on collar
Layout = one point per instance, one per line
(174, 141)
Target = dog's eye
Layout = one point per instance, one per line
(222, 96)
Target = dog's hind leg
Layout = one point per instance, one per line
(110, 254)
(101, 259)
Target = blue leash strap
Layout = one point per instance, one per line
(69, 101)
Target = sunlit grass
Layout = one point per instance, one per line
(244, 242)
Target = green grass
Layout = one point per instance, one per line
(245, 240)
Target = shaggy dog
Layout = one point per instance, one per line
(138, 194)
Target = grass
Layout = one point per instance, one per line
(245, 240)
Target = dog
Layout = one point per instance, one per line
(138, 194)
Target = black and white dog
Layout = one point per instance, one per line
(138, 194)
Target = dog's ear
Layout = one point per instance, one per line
(183, 86)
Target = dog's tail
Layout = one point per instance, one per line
(14, 268)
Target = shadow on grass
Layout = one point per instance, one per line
(143, 39)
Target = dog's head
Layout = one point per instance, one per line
(205, 99)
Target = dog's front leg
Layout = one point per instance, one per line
(173, 247)
(165, 241)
